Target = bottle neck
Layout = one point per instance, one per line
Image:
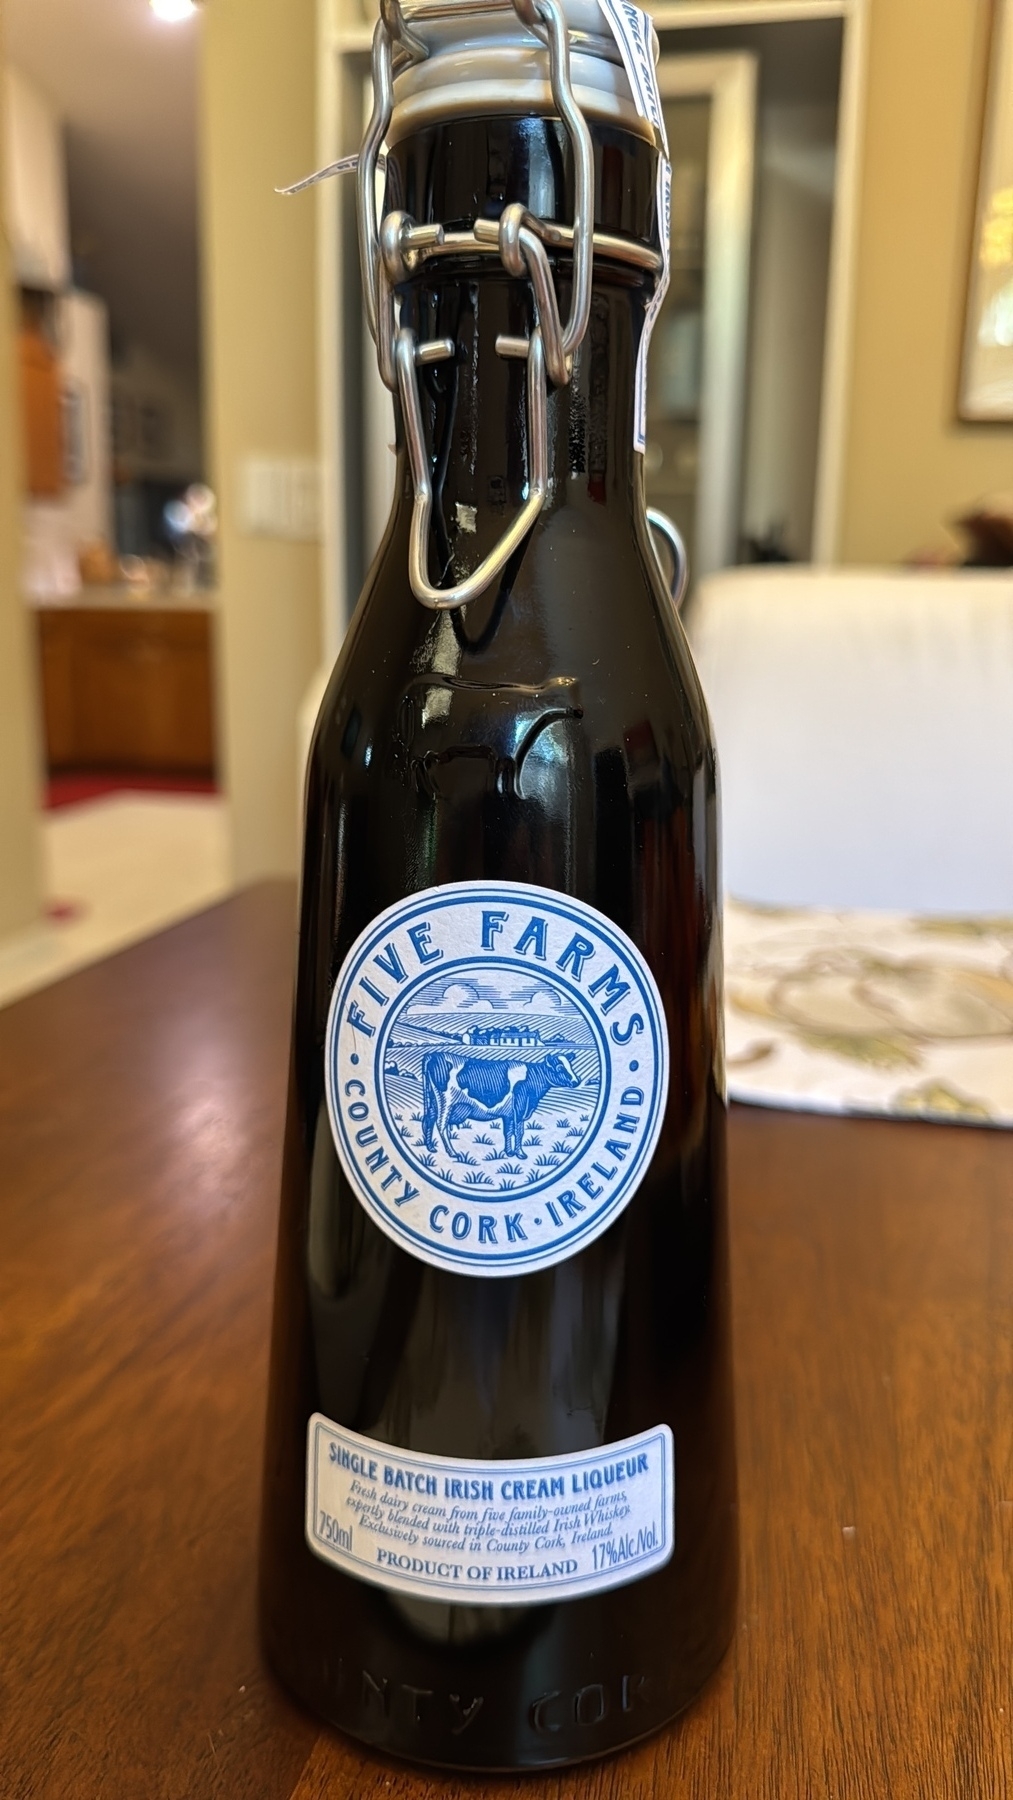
(474, 407)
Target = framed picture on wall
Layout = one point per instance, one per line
(986, 382)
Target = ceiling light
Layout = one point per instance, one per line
(173, 10)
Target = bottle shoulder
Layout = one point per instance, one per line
(586, 627)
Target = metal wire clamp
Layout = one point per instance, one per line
(665, 528)
(407, 354)
(384, 247)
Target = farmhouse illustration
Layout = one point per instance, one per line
(511, 1036)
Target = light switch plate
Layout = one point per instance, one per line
(279, 497)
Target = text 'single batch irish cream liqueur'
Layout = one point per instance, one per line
(499, 1510)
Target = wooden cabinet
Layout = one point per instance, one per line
(126, 689)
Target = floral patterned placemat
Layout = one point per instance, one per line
(870, 1013)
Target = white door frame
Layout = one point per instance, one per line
(728, 80)
(839, 340)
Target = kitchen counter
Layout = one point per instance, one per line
(124, 598)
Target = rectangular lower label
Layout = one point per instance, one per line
(490, 1533)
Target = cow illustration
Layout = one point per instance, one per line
(457, 1088)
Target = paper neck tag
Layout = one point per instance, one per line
(633, 31)
(654, 305)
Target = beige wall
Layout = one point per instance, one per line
(19, 778)
(910, 465)
(259, 82)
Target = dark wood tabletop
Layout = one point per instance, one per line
(140, 1128)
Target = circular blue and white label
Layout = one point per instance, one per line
(496, 1074)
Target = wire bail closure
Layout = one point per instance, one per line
(388, 248)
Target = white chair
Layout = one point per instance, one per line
(864, 723)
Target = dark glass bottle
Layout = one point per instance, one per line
(552, 732)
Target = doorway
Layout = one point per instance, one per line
(118, 522)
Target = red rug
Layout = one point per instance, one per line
(70, 790)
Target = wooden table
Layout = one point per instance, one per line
(140, 1124)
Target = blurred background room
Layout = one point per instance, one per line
(196, 459)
